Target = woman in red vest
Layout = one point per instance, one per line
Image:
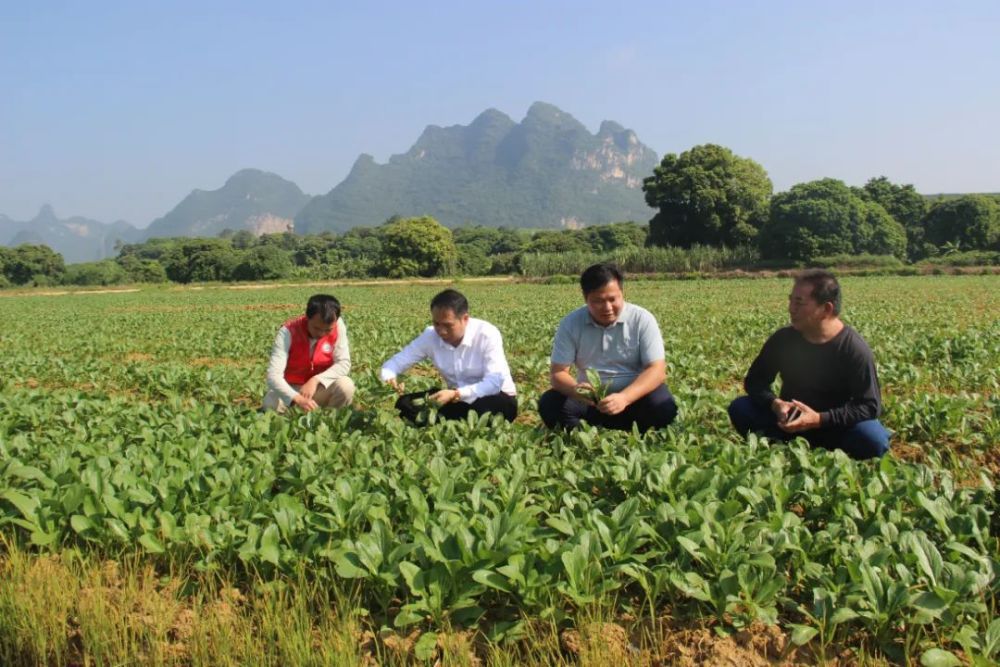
(310, 360)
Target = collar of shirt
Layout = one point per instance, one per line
(619, 321)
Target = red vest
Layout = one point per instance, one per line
(299, 367)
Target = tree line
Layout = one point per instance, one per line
(710, 196)
(399, 248)
(716, 210)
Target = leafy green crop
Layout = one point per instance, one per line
(142, 436)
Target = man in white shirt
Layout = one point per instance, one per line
(310, 360)
(468, 353)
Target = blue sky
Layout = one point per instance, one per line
(117, 110)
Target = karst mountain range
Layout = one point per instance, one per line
(548, 171)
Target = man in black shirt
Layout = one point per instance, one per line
(829, 388)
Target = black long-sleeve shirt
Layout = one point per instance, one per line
(836, 379)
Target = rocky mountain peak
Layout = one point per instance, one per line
(541, 172)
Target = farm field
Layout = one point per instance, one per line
(143, 495)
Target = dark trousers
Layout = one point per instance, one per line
(500, 404)
(654, 410)
(864, 440)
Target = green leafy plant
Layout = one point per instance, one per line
(597, 390)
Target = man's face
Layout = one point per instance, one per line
(803, 310)
(318, 328)
(605, 303)
(450, 327)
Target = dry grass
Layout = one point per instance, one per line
(68, 609)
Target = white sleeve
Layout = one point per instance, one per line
(341, 357)
(276, 366)
(495, 365)
(415, 352)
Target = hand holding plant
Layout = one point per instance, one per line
(445, 396)
(613, 404)
(305, 402)
(593, 390)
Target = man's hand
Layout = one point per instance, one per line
(395, 384)
(613, 404)
(309, 388)
(782, 409)
(800, 418)
(305, 402)
(445, 396)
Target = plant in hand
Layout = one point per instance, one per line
(597, 390)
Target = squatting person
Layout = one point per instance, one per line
(622, 342)
(829, 387)
(468, 353)
(310, 360)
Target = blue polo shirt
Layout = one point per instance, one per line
(619, 352)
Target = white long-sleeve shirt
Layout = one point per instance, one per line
(279, 359)
(476, 367)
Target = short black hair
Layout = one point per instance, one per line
(325, 306)
(597, 276)
(452, 300)
(825, 287)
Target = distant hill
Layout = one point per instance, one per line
(547, 171)
(76, 239)
(253, 200)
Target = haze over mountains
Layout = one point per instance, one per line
(77, 239)
(546, 171)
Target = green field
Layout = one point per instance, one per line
(129, 437)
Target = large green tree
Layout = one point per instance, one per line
(907, 206)
(617, 235)
(264, 262)
(103, 272)
(142, 270)
(826, 217)
(707, 195)
(416, 247)
(32, 263)
(197, 260)
(971, 222)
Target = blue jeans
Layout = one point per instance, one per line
(864, 440)
(654, 410)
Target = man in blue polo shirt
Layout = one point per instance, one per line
(622, 342)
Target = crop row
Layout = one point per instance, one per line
(151, 442)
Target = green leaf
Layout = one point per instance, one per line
(802, 634)
(561, 525)
(929, 607)
(43, 539)
(992, 641)
(80, 523)
(151, 544)
(409, 572)
(349, 565)
(407, 616)
(269, 550)
(141, 496)
(426, 646)
(25, 505)
(842, 615)
(30, 473)
(492, 579)
(118, 529)
(937, 657)
(690, 546)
